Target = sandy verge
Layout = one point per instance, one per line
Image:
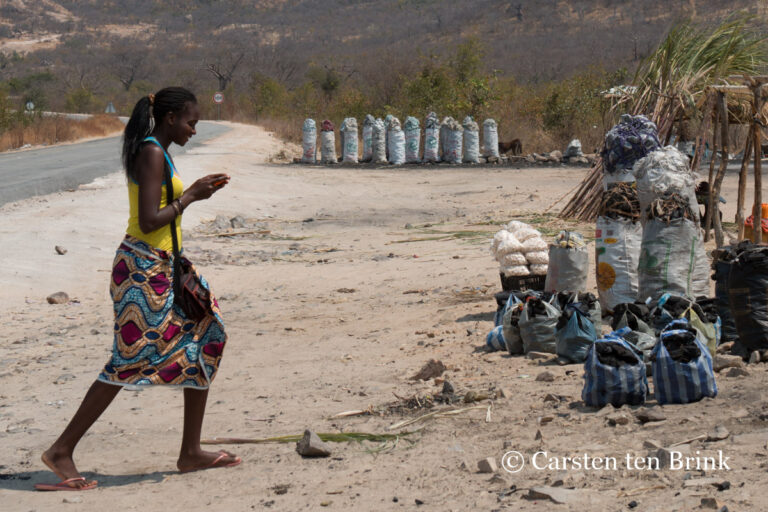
(332, 310)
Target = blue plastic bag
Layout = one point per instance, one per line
(576, 336)
(605, 384)
(677, 382)
(511, 329)
(495, 339)
(512, 301)
(537, 330)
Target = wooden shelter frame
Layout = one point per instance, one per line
(716, 109)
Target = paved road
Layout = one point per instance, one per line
(26, 174)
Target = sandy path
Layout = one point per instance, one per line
(325, 316)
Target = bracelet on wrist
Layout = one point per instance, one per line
(176, 207)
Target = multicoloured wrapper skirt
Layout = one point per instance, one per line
(155, 343)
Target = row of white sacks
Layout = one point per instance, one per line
(638, 260)
(387, 141)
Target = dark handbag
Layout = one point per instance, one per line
(189, 293)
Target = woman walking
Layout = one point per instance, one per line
(156, 342)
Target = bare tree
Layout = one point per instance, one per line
(129, 61)
(83, 61)
(280, 61)
(224, 69)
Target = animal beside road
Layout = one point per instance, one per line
(514, 146)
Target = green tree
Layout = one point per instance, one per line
(6, 110)
(80, 100)
(32, 88)
(267, 96)
(326, 79)
(432, 90)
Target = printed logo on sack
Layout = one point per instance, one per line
(606, 276)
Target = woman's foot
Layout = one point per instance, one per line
(64, 467)
(206, 460)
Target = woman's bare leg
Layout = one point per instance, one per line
(59, 456)
(192, 456)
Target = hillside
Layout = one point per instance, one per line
(535, 66)
(531, 39)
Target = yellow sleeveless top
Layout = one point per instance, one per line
(161, 237)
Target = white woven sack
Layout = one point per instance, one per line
(617, 254)
(490, 138)
(471, 142)
(453, 146)
(379, 138)
(368, 138)
(309, 142)
(349, 140)
(396, 146)
(328, 147)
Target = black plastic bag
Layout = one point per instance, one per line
(748, 295)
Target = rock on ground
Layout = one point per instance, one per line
(58, 298)
(312, 446)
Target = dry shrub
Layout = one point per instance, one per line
(288, 129)
(50, 130)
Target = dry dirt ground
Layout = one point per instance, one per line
(332, 304)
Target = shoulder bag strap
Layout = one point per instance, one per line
(174, 239)
(169, 199)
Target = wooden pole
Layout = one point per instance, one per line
(714, 192)
(743, 185)
(707, 116)
(715, 125)
(757, 208)
(671, 122)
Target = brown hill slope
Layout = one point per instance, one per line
(532, 39)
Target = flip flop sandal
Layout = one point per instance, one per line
(64, 485)
(218, 459)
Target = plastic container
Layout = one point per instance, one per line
(522, 283)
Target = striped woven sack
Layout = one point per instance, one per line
(495, 339)
(678, 382)
(605, 384)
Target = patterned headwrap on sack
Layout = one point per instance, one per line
(630, 140)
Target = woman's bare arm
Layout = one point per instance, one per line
(150, 166)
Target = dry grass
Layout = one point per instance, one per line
(57, 129)
(287, 129)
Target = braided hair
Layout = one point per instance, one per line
(148, 112)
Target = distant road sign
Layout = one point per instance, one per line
(218, 98)
(30, 105)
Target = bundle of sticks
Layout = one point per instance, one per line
(670, 207)
(620, 201)
(585, 203)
